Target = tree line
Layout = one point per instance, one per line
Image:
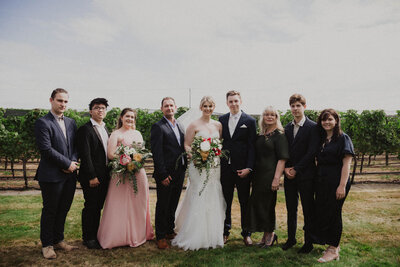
(372, 131)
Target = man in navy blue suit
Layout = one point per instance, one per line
(167, 145)
(300, 170)
(55, 138)
(239, 135)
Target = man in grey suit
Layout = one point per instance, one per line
(55, 138)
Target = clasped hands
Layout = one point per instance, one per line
(73, 167)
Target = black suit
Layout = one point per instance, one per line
(58, 188)
(93, 165)
(302, 151)
(241, 156)
(166, 151)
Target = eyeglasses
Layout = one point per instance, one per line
(100, 108)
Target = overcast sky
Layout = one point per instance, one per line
(339, 54)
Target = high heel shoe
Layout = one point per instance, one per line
(274, 240)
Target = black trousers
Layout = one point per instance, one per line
(167, 202)
(328, 224)
(94, 202)
(230, 179)
(304, 189)
(57, 199)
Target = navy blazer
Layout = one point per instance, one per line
(166, 149)
(56, 151)
(241, 144)
(92, 154)
(303, 149)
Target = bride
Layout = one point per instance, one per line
(199, 219)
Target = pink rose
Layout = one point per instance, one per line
(124, 159)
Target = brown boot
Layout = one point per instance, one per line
(162, 243)
(64, 246)
(48, 252)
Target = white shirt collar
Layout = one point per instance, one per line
(97, 124)
(58, 118)
(301, 123)
(237, 115)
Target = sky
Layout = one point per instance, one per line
(338, 54)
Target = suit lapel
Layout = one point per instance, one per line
(225, 126)
(170, 131)
(53, 120)
(98, 135)
(299, 132)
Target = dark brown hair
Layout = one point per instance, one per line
(232, 93)
(337, 131)
(98, 101)
(58, 90)
(297, 98)
(123, 112)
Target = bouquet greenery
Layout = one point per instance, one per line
(206, 154)
(128, 161)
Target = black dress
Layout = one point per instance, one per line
(260, 216)
(328, 216)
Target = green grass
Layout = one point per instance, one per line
(371, 237)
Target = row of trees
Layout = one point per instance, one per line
(372, 131)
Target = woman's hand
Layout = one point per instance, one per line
(275, 184)
(340, 192)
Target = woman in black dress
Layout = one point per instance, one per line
(271, 154)
(333, 184)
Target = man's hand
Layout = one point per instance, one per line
(275, 184)
(73, 167)
(243, 173)
(94, 182)
(290, 173)
(166, 181)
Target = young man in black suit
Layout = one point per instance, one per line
(239, 135)
(94, 177)
(300, 171)
(55, 138)
(167, 145)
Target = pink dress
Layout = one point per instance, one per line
(126, 216)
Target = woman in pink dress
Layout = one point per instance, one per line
(126, 215)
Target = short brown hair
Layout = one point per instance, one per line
(167, 98)
(297, 98)
(58, 90)
(232, 93)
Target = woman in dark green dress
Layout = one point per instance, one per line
(332, 185)
(271, 154)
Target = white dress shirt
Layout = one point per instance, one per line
(233, 121)
(296, 126)
(101, 128)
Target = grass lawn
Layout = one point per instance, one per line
(371, 237)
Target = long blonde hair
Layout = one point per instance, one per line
(263, 126)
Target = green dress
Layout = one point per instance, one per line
(260, 215)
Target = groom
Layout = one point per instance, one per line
(167, 144)
(239, 134)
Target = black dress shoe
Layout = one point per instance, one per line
(306, 248)
(289, 244)
(91, 244)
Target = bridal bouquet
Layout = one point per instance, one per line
(128, 161)
(206, 154)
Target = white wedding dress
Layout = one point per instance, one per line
(199, 220)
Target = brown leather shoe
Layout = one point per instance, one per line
(162, 243)
(48, 253)
(64, 246)
(170, 236)
(226, 237)
(247, 241)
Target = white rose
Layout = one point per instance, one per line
(131, 151)
(205, 146)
